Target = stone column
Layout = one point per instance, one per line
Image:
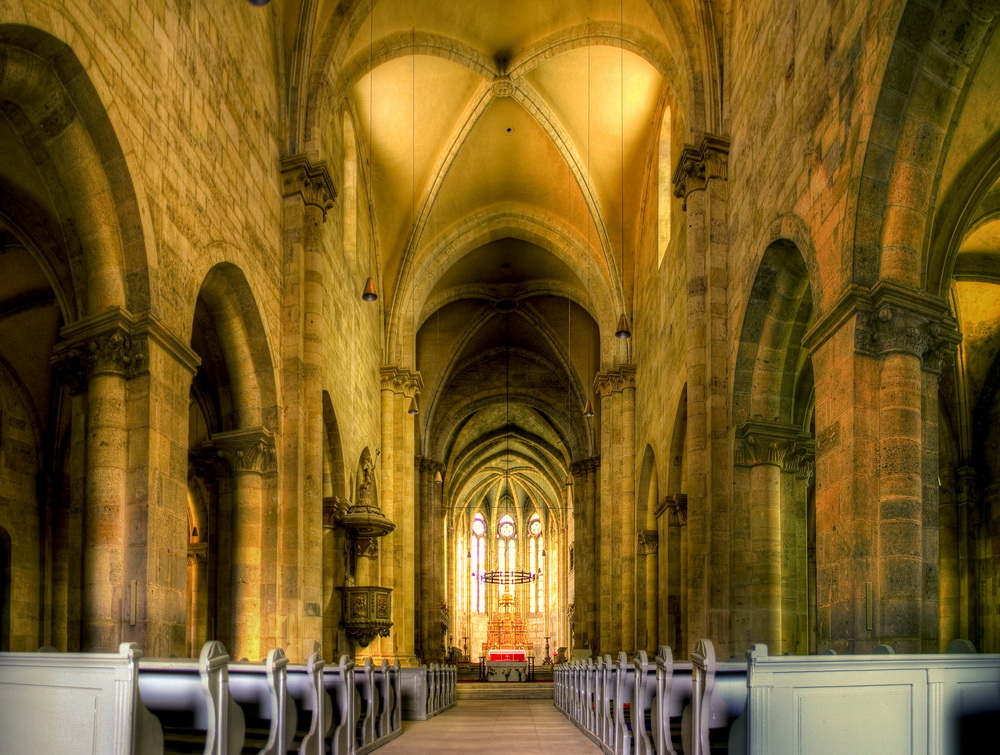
(673, 560)
(97, 355)
(616, 392)
(585, 568)
(701, 182)
(308, 195)
(430, 573)
(874, 356)
(251, 456)
(334, 548)
(769, 450)
(399, 505)
(648, 546)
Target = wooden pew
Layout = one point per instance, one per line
(261, 690)
(315, 709)
(75, 703)
(397, 708)
(413, 683)
(587, 695)
(192, 700)
(624, 678)
(338, 681)
(867, 703)
(718, 697)
(673, 697)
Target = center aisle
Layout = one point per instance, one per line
(494, 726)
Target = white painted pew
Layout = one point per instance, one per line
(191, 698)
(624, 676)
(261, 690)
(605, 701)
(718, 697)
(866, 703)
(385, 720)
(673, 697)
(75, 703)
(367, 705)
(315, 709)
(427, 691)
(338, 681)
(644, 704)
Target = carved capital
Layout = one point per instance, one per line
(648, 542)
(785, 446)
(585, 467)
(299, 177)
(101, 345)
(203, 463)
(197, 554)
(248, 450)
(334, 508)
(675, 507)
(400, 380)
(966, 484)
(614, 381)
(697, 165)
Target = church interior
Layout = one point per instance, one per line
(416, 330)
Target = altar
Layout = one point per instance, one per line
(505, 652)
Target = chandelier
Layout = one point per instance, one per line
(502, 577)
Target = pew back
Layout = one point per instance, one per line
(75, 703)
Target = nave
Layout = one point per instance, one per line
(493, 726)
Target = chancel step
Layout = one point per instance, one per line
(504, 691)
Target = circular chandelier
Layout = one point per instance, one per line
(502, 577)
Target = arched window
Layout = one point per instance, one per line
(506, 544)
(477, 558)
(536, 558)
(664, 186)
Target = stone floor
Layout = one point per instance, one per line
(494, 726)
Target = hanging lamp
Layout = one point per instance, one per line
(588, 409)
(623, 331)
(414, 409)
(369, 293)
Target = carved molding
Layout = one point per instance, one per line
(334, 508)
(309, 181)
(502, 86)
(697, 165)
(401, 380)
(248, 450)
(101, 345)
(785, 446)
(614, 381)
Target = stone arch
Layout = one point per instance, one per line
(54, 103)
(647, 582)
(773, 460)
(334, 476)
(931, 57)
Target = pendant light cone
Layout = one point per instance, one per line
(588, 409)
(623, 332)
(369, 293)
(413, 406)
(438, 478)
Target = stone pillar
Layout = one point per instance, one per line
(334, 547)
(648, 547)
(876, 356)
(673, 561)
(616, 392)
(771, 450)
(309, 194)
(701, 182)
(252, 459)
(585, 568)
(431, 569)
(398, 501)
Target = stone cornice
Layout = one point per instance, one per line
(614, 381)
(251, 450)
(892, 319)
(785, 446)
(309, 181)
(424, 464)
(400, 380)
(697, 165)
(148, 327)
